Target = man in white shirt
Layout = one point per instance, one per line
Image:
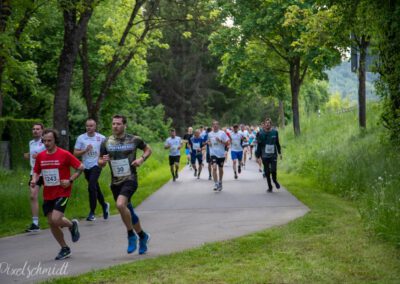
(236, 150)
(174, 144)
(87, 146)
(245, 134)
(217, 140)
(35, 147)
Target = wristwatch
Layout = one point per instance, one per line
(71, 180)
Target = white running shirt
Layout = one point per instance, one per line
(236, 142)
(217, 148)
(89, 159)
(35, 147)
(174, 143)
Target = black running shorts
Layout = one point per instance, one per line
(58, 204)
(174, 160)
(218, 161)
(126, 188)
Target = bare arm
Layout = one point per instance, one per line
(146, 154)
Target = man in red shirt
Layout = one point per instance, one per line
(54, 164)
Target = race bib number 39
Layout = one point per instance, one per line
(120, 168)
(269, 149)
(51, 177)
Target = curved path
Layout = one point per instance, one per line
(181, 215)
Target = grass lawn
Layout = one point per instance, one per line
(14, 192)
(328, 245)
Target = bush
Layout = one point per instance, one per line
(19, 133)
(358, 165)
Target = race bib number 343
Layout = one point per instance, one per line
(51, 177)
(120, 168)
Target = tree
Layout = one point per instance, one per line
(76, 15)
(287, 30)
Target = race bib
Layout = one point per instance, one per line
(269, 149)
(92, 154)
(214, 142)
(121, 168)
(51, 177)
(196, 146)
(174, 148)
(236, 144)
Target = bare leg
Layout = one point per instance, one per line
(34, 200)
(122, 202)
(221, 174)
(57, 221)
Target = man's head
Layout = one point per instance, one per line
(50, 138)
(37, 130)
(242, 127)
(197, 133)
(172, 132)
(268, 123)
(91, 126)
(236, 128)
(215, 125)
(118, 124)
(190, 130)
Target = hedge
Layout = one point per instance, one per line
(19, 132)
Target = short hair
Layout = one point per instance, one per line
(235, 126)
(208, 129)
(90, 118)
(40, 124)
(268, 119)
(120, 116)
(55, 134)
(215, 122)
(172, 130)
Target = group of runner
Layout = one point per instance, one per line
(214, 143)
(50, 168)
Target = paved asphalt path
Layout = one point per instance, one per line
(181, 215)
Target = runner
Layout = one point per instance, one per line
(88, 146)
(225, 129)
(119, 150)
(54, 164)
(268, 149)
(252, 137)
(174, 144)
(196, 145)
(208, 158)
(258, 159)
(186, 139)
(217, 139)
(236, 150)
(245, 144)
(35, 147)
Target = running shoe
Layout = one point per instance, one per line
(220, 187)
(33, 228)
(269, 189)
(74, 230)
(215, 187)
(236, 176)
(64, 253)
(91, 217)
(132, 243)
(143, 243)
(106, 211)
(278, 186)
(260, 170)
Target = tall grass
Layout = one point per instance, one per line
(362, 166)
(14, 192)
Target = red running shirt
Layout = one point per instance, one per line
(54, 168)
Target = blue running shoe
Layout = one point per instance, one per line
(143, 243)
(132, 243)
(106, 211)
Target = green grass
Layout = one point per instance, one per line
(14, 192)
(362, 166)
(328, 245)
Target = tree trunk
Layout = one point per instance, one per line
(281, 115)
(362, 102)
(295, 90)
(73, 33)
(5, 13)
